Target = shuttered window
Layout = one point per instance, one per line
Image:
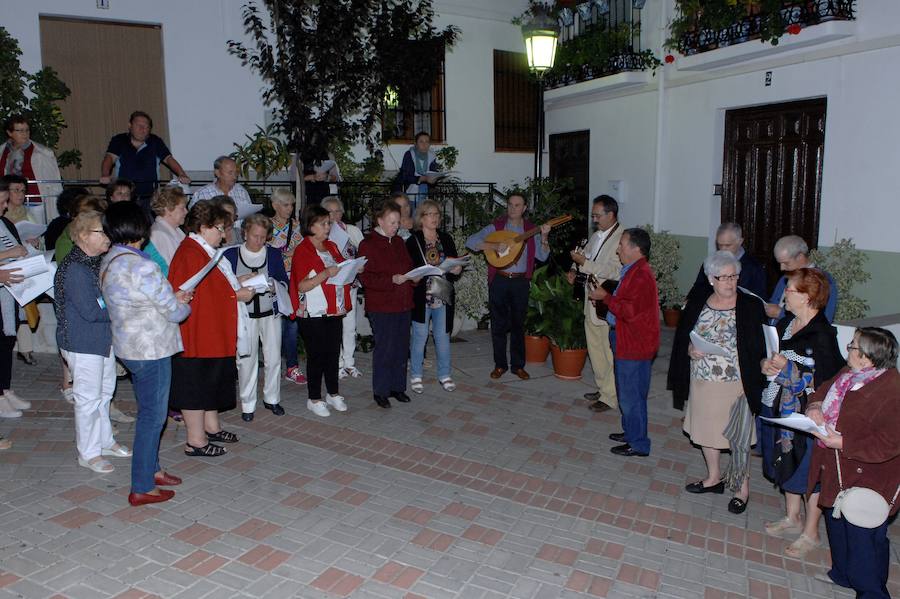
(515, 103)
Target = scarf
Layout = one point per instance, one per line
(243, 335)
(738, 433)
(850, 380)
(421, 162)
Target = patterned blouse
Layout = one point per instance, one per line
(281, 242)
(719, 327)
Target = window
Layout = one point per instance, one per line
(427, 114)
(515, 104)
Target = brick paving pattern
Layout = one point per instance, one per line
(502, 489)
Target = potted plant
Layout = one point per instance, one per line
(537, 346)
(562, 320)
(665, 255)
(845, 264)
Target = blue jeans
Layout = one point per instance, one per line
(438, 318)
(289, 342)
(632, 388)
(860, 557)
(151, 380)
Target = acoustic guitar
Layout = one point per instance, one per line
(609, 285)
(515, 243)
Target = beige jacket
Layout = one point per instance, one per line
(603, 265)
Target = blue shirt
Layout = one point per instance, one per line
(830, 307)
(521, 265)
(141, 164)
(610, 317)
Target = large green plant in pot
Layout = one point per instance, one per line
(559, 315)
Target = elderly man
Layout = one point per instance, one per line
(730, 238)
(225, 184)
(25, 158)
(634, 337)
(599, 259)
(136, 155)
(792, 253)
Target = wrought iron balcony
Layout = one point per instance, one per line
(697, 33)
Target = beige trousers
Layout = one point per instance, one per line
(601, 361)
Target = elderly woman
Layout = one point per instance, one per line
(388, 303)
(170, 206)
(247, 260)
(204, 375)
(858, 407)
(429, 245)
(145, 312)
(724, 387)
(11, 405)
(325, 306)
(807, 357)
(335, 209)
(286, 236)
(84, 337)
(232, 233)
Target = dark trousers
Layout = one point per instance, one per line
(6, 359)
(632, 388)
(289, 342)
(391, 331)
(322, 338)
(859, 557)
(508, 303)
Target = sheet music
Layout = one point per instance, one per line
(348, 272)
(257, 282)
(423, 271)
(707, 347)
(28, 230)
(449, 263)
(38, 272)
(192, 282)
(338, 236)
(799, 422)
(283, 298)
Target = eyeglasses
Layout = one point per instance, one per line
(220, 229)
(851, 346)
(789, 290)
(101, 231)
(598, 214)
(726, 277)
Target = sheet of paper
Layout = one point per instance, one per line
(772, 343)
(707, 347)
(799, 422)
(192, 282)
(259, 282)
(348, 272)
(439, 174)
(423, 271)
(338, 236)
(449, 263)
(28, 230)
(33, 286)
(283, 297)
(748, 292)
(28, 267)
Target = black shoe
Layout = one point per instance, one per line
(599, 407)
(274, 408)
(247, 416)
(617, 437)
(627, 451)
(400, 396)
(382, 401)
(737, 505)
(592, 396)
(27, 357)
(698, 487)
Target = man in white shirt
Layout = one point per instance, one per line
(225, 170)
(599, 258)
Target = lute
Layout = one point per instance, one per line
(515, 243)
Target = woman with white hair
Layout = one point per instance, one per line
(286, 236)
(724, 383)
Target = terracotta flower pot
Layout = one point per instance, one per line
(568, 363)
(536, 349)
(671, 316)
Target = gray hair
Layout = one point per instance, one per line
(879, 345)
(716, 262)
(282, 195)
(332, 200)
(790, 246)
(217, 163)
(730, 228)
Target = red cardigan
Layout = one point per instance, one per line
(387, 257)
(211, 329)
(636, 308)
(307, 259)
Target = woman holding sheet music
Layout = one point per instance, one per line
(429, 245)
(808, 356)
(10, 247)
(322, 313)
(723, 384)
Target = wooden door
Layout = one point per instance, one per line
(570, 155)
(112, 70)
(772, 174)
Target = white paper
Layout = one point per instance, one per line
(28, 230)
(799, 422)
(338, 236)
(748, 292)
(28, 267)
(707, 347)
(192, 282)
(449, 263)
(38, 272)
(258, 282)
(772, 343)
(423, 271)
(439, 174)
(283, 298)
(348, 272)
(176, 183)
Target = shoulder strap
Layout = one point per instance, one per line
(105, 270)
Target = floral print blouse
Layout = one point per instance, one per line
(719, 327)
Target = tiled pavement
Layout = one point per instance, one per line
(497, 490)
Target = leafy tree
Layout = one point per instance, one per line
(326, 66)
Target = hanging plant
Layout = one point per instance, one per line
(701, 23)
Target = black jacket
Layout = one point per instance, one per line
(416, 241)
(817, 339)
(751, 349)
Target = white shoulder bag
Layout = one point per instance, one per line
(861, 506)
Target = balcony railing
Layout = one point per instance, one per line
(793, 16)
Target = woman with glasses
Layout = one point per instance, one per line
(204, 375)
(430, 245)
(286, 236)
(721, 383)
(808, 356)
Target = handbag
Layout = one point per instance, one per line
(435, 285)
(861, 506)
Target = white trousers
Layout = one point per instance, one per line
(268, 331)
(348, 343)
(93, 385)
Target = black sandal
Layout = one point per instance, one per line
(222, 436)
(207, 451)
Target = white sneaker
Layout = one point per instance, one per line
(15, 401)
(97, 464)
(7, 411)
(118, 450)
(118, 416)
(317, 407)
(336, 401)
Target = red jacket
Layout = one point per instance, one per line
(636, 308)
(211, 329)
(306, 260)
(387, 257)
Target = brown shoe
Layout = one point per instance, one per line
(520, 372)
(598, 406)
(497, 372)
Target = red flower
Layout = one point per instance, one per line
(794, 29)
(669, 59)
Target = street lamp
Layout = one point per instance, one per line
(541, 35)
